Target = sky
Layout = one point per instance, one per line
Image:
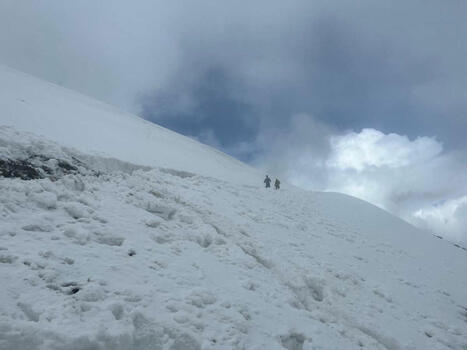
(363, 97)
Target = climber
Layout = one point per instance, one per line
(277, 184)
(267, 181)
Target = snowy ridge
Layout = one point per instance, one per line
(91, 126)
(116, 256)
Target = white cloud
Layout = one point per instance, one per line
(409, 178)
(448, 219)
(371, 148)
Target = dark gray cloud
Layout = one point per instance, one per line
(372, 66)
(397, 66)
(208, 103)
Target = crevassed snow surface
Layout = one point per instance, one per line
(78, 121)
(117, 256)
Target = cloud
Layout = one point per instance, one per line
(372, 149)
(395, 67)
(111, 50)
(297, 151)
(210, 103)
(448, 218)
(415, 179)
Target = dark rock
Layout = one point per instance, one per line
(19, 169)
(38, 166)
(67, 166)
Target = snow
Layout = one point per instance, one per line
(75, 120)
(154, 259)
(121, 246)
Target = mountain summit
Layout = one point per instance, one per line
(116, 233)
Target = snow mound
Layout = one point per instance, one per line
(119, 256)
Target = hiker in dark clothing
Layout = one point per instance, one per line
(267, 181)
(277, 184)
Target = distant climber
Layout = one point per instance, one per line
(267, 181)
(277, 184)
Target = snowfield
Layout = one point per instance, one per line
(115, 256)
(119, 234)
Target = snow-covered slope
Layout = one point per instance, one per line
(102, 254)
(147, 252)
(75, 120)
